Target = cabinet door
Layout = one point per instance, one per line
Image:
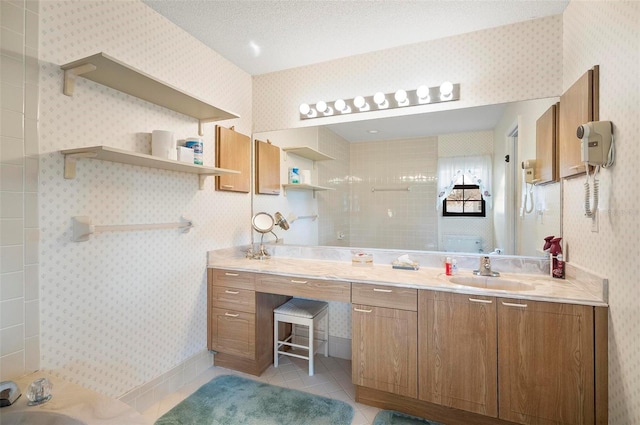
(457, 349)
(545, 363)
(233, 332)
(579, 104)
(267, 168)
(233, 151)
(384, 349)
(546, 170)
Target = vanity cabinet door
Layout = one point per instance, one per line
(384, 349)
(233, 332)
(457, 348)
(545, 362)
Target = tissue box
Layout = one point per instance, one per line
(185, 154)
(405, 266)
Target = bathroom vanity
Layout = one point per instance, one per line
(459, 354)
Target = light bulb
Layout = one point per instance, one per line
(380, 99)
(446, 89)
(305, 108)
(360, 103)
(423, 94)
(401, 97)
(341, 106)
(321, 106)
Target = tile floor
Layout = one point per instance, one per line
(332, 379)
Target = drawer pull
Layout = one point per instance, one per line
(231, 292)
(514, 305)
(477, 300)
(231, 315)
(227, 186)
(382, 290)
(361, 310)
(231, 274)
(298, 281)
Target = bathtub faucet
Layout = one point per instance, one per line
(9, 393)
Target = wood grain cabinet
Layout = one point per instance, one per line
(233, 151)
(240, 321)
(267, 168)
(384, 340)
(579, 104)
(546, 170)
(546, 362)
(457, 351)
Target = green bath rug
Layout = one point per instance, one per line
(233, 400)
(391, 417)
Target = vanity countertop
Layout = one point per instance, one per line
(573, 290)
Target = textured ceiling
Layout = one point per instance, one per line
(266, 36)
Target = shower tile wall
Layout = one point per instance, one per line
(384, 214)
(19, 221)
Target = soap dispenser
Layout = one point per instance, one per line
(557, 261)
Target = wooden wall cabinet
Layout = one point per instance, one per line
(233, 151)
(384, 340)
(546, 170)
(267, 168)
(579, 104)
(545, 362)
(457, 348)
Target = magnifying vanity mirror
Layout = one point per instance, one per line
(263, 223)
(382, 182)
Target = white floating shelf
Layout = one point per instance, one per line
(309, 153)
(107, 153)
(110, 72)
(307, 187)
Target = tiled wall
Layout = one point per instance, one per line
(125, 308)
(608, 34)
(19, 205)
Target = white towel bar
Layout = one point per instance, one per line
(83, 228)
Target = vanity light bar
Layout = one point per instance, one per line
(446, 92)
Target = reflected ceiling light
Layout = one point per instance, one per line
(342, 106)
(381, 100)
(423, 95)
(401, 98)
(446, 90)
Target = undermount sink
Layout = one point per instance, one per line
(488, 282)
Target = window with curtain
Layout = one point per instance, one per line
(466, 171)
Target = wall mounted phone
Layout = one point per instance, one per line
(597, 149)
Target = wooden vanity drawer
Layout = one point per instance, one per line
(384, 296)
(327, 290)
(233, 298)
(234, 279)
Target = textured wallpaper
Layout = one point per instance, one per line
(608, 34)
(513, 62)
(123, 308)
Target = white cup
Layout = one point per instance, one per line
(163, 144)
(305, 176)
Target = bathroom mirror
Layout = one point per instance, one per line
(382, 154)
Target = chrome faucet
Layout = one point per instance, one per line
(9, 393)
(485, 267)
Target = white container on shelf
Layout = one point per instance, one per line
(163, 144)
